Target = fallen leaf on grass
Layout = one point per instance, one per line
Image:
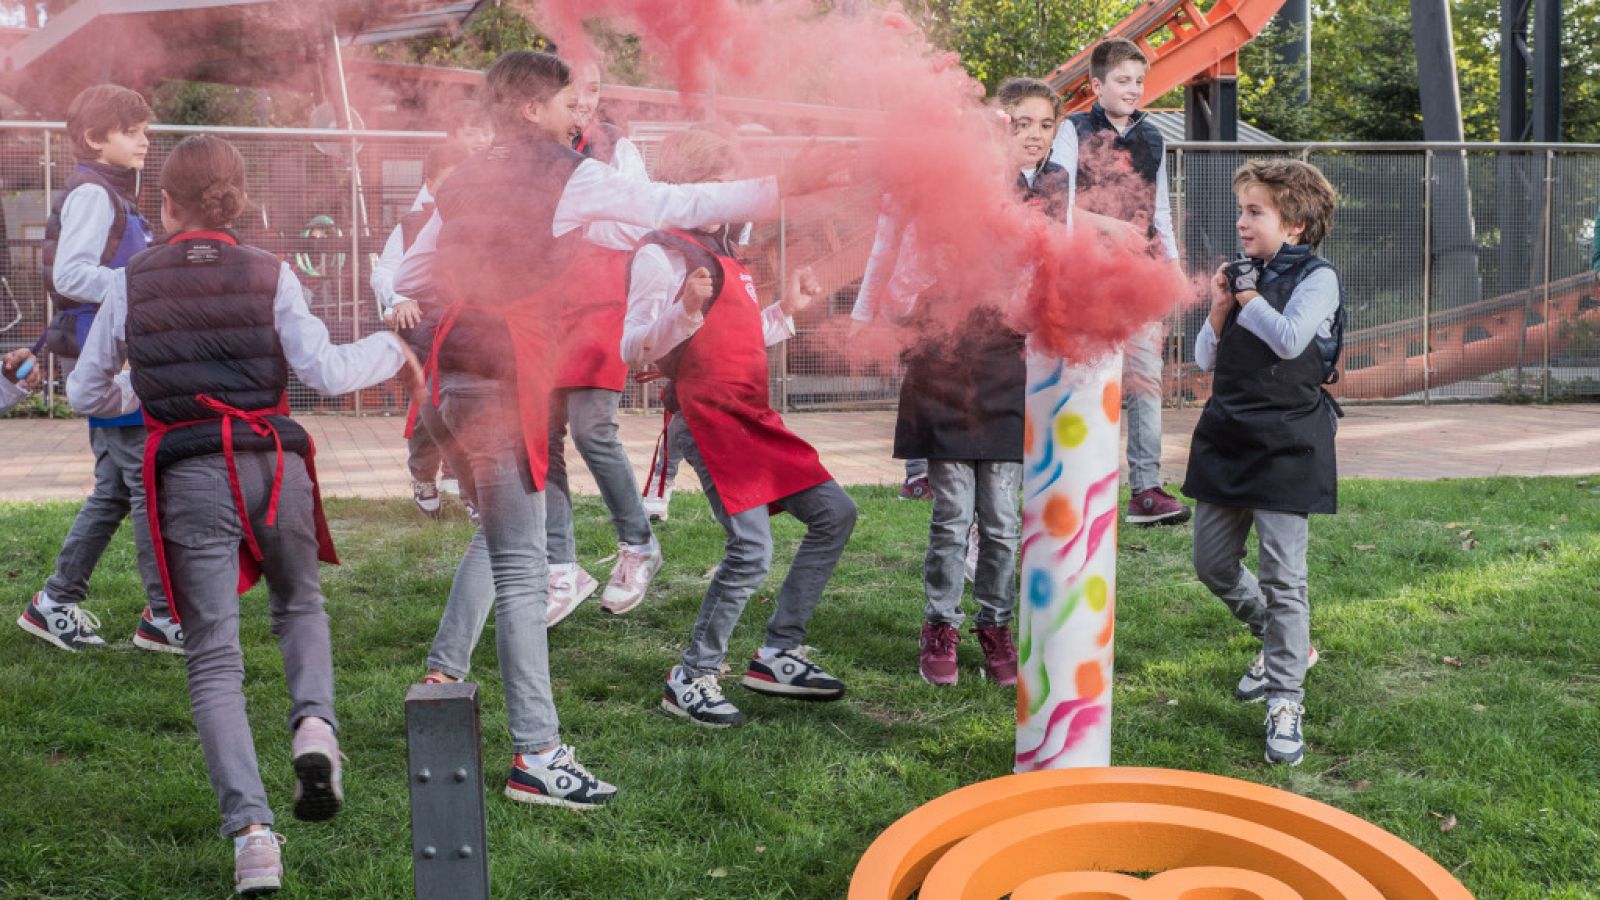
(56, 759)
(1365, 546)
(761, 848)
(1479, 707)
(1136, 548)
(718, 872)
(1362, 785)
(1448, 824)
(13, 573)
(1453, 661)
(1452, 525)
(1465, 534)
(1468, 544)
(1546, 545)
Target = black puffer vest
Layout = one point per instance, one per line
(200, 322)
(1266, 437)
(121, 185)
(496, 247)
(1109, 189)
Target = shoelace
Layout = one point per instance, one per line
(566, 759)
(998, 641)
(710, 689)
(629, 561)
(273, 840)
(945, 639)
(1284, 716)
(1258, 667)
(86, 621)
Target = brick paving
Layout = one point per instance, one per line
(365, 457)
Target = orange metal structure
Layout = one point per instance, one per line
(1193, 45)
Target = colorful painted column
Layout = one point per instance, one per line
(1069, 563)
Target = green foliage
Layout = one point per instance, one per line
(999, 39)
(204, 103)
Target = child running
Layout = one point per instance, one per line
(961, 408)
(1263, 450)
(499, 252)
(212, 329)
(693, 309)
(92, 234)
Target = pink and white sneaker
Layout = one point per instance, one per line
(630, 578)
(570, 585)
(318, 787)
(258, 864)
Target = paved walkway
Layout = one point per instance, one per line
(365, 457)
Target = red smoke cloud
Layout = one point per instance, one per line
(933, 146)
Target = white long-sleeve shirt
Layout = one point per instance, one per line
(615, 209)
(1308, 314)
(394, 249)
(656, 322)
(99, 387)
(1065, 152)
(87, 215)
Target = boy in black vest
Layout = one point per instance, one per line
(1263, 450)
(1117, 163)
(92, 234)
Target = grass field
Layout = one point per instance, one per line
(1460, 678)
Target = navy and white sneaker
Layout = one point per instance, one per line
(63, 625)
(563, 781)
(1285, 743)
(158, 634)
(1253, 683)
(790, 674)
(699, 700)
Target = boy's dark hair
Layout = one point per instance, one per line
(467, 112)
(99, 109)
(1015, 90)
(1113, 52)
(442, 158)
(1300, 193)
(518, 78)
(204, 176)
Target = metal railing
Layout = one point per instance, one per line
(1464, 265)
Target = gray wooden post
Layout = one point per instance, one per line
(444, 749)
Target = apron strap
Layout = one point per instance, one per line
(262, 426)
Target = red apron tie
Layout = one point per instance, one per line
(262, 426)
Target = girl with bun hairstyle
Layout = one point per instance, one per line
(211, 329)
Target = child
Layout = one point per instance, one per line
(1263, 450)
(211, 329)
(961, 407)
(405, 314)
(692, 307)
(92, 234)
(1117, 163)
(498, 250)
(589, 382)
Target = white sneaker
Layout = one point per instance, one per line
(631, 576)
(426, 495)
(570, 585)
(657, 507)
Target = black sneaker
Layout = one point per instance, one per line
(699, 700)
(1285, 743)
(790, 674)
(563, 781)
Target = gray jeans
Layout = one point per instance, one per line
(118, 494)
(1141, 379)
(1275, 607)
(201, 532)
(478, 426)
(915, 468)
(424, 454)
(592, 413)
(991, 492)
(829, 516)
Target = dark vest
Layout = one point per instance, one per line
(129, 234)
(496, 247)
(1108, 189)
(200, 322)
(1266, 437)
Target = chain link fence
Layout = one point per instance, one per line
(1466, 267)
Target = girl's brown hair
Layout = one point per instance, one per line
(204, 176)
(1300, 192)
(518, 78)
(694, 156)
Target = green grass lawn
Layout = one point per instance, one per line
(1457, 680)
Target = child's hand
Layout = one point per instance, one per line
(12, 364)
(412, 375)
(696, 291)
(1222, 300)
(406, 314)
(804, 289)
(817, 168)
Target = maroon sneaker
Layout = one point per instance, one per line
(916, 488)
(1156, 507)
(999, 654)
(938, 657)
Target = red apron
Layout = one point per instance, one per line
(527, 321)
(249, 549)
(721, 382)
(591, 321)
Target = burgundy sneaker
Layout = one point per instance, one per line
(916, 488)
(937, 660)
(1156, 507)
(999, 654)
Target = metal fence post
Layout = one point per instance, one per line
(49, 302)
(1549, 190)
(783, 285)
(1427, 277)
(1175, 340)
(355, 245)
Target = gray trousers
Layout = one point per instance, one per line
(118, 494)
(991, 493)
(504, 568)
(1275, 606)
(829, 516)
(201, 532)
(916, 467)
(424, 454)
(1141, 379)
(592, 413)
